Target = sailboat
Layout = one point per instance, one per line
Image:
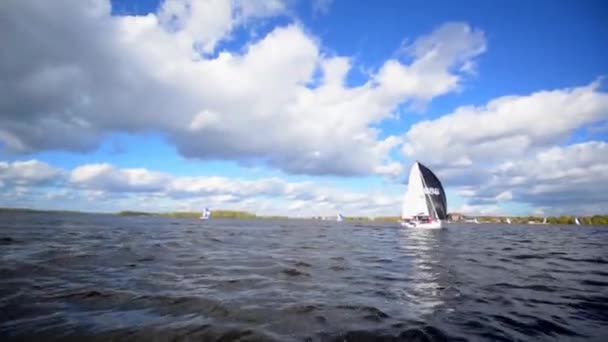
(545, 221)
(425, 202)
(508, 220)
(340, 218)
(206, 214)
(472, 220)
(576, 221)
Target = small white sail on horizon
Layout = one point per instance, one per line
(340, 218)
(206, 214)
(508, 220)
(576, 221)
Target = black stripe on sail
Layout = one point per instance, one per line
(434, 192)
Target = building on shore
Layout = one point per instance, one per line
(455, 217)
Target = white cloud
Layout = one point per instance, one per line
(439, 59)
(107, 177)
(559, 180)
(571, 179)
(479, 210)
(392, 169)
(508, 150)
(105, 187)
(211, 21)
(203, 186)
(507, 127)
(504, 196)
(138, 74)
(31, 172)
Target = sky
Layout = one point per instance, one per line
(300, 108)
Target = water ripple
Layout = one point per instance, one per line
(101, 277)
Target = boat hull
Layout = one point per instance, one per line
(422, 225)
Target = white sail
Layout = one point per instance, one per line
(414, 201)
(206, 214)
(340, 218)
(578, 223)
(508, 220)
(545, 221)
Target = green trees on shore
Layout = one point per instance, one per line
(193, 214)
(387, 218)
(596, 219)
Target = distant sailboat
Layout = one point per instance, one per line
(425, 202)
(508, 220)
(472, 220)
(340, 218)
(545, 221)
(206, 214)
(576, 221)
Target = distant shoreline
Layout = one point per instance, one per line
(235, 214)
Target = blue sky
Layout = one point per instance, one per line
(187, 104)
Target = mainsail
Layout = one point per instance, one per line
(425, 195)
(414, 202)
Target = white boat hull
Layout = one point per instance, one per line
(422, 225)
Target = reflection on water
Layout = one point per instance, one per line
(101, 277)
(424, 268)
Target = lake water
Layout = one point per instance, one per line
(104, 277)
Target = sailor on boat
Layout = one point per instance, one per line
(425, 202)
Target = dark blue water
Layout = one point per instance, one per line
(103, 277)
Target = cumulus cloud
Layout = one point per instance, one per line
(559, 180)
(506, 127)
(206, 23)
(72, 73)
(480, 209)
(105, 187)
(31, 172)
(571, 179)
(439, 61)
(108, 178)
(514, 149)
